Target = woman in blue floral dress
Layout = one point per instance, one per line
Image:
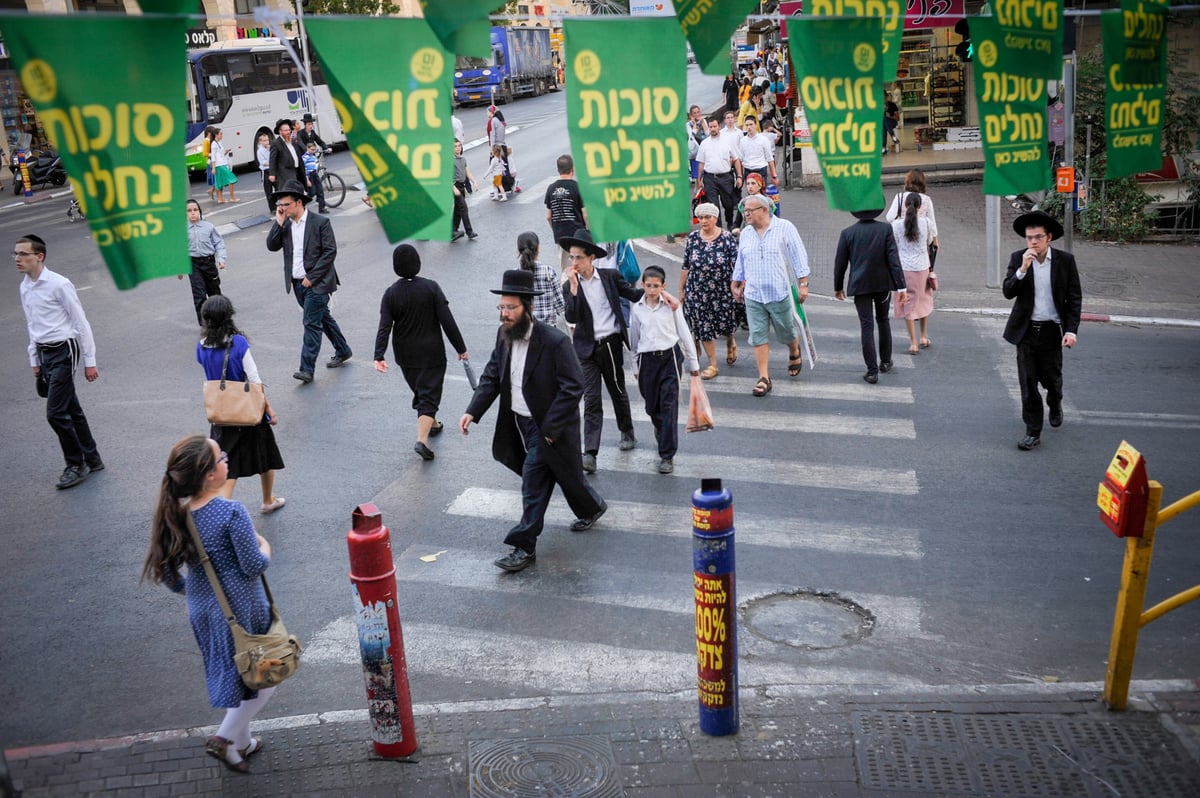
(196, 470)
(704, 287)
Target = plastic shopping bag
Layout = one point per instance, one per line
(700, 415)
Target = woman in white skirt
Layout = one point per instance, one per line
(914, 234)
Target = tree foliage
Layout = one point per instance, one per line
(368, 8)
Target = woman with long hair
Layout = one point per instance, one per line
(195, 473)
(222, 166)
(252, 450)
(913, 236)
(549, 307)
(914, 181)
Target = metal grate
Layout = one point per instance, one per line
(543, 767)
(1022, 755)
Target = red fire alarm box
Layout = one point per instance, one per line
(1124, 493)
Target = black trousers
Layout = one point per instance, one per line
(873, 309)
(607, 364)
(205, 280)
(63, 410)
(461, 214)
(1039, 362)
(720, 189)
(658, 381)
(544, 468)
(268, 188)
(317, 190)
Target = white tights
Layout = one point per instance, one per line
(236, 726)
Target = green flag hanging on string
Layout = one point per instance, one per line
(1012, 112)
(1143, 51)
(1132, 111)
(890, 11)
(842, 93)
(626, 109)
(117, 119)
(462, 26)
(391, 80)
(1032, 31)
(708, 25)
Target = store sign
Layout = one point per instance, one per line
(926, 14)
(789, 8)
(199, 38)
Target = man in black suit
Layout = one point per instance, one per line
(593, 305)
(309, 251)
(537, 433)
(868, 250)
(1044, 318)
(287, 159)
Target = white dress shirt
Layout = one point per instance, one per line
(53, 314)
(656, 328)
(717, 155)
(1043, 293)
(517, 354)
(298, 272)
(604, 321)
(758, 151)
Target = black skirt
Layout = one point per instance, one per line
(251, 450)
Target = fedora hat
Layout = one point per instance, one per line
(583, 240)
(307, 118)
(867, 216)
(517, 282)
(1038, 219)
(292, 188)
(280, 123)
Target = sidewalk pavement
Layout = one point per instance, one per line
(997, 741)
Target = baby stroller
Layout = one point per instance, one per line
(74, 212)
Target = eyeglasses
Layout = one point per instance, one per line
(577, 257)
(223, 458)
(1037, 237)
(285, 204)
(17, 254)
(507, 308)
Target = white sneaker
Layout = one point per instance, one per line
(504, 198)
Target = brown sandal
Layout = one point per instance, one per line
(709, 372)
(762, 387)
(795, 365)
(730, 351)
(218, 748)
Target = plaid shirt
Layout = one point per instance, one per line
(768, 263)
(550, 305)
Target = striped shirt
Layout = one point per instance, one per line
(769, 262)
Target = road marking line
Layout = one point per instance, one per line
(641, 518)
(818, 423)
(992, 328)
(801, 388)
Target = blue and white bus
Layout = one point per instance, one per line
(244, 87)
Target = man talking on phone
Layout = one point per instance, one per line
(1044, 318)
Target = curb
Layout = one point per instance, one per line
(1102, 318)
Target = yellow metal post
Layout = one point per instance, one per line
(1130, 601)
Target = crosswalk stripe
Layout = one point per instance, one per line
(662, 592)
(1006, 368)
(786, 532)
(1109, 418)
(793, 422)
(804, 388)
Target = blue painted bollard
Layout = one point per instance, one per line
(716, 608)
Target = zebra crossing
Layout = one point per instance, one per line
(613, 609)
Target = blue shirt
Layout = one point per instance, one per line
(310, 163)
(768, 263)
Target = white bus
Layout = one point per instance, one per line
(244, 87)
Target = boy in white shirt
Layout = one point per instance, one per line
(657, 335)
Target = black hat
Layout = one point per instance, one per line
(292, 188)
(583, 240)
(517, 282)
(281, 123)
(307, 118)
(406, 261)
(1038, 219)
(867, 216)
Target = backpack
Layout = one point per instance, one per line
(627, 263)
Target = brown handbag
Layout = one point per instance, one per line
(234, 404)
(261, 660)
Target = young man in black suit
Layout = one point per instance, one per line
(537, 433)
(313, 278)
(286, 160)
(867, 250)
(1044, 318)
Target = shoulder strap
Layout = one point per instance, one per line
(217, 589)
(224, 368)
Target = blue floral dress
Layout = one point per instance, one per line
(228, 535)
(708, 303)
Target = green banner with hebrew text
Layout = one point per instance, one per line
(1133, 112)
(839, 64)
(462, 26)
(626, 108)
(1032, 30)
(890, 11)
(708, 26)
(1143, 52)
(392, 82)
(119, 123)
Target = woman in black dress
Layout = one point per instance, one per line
(414, 311)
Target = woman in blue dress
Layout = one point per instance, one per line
(196, 470)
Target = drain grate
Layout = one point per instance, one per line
(1022, 755)
(543, 767)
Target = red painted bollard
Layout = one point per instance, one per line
(380, 640)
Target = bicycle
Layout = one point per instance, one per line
(334, 185)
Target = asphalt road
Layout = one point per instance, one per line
(964, 561)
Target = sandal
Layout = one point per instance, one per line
(925, 342)
(709, 372)
(255, 746)
(795, 366)
(762, 387)
(912, 350)
(276, 503)
(730, 351)
(218, 748)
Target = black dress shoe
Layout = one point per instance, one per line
(457, 235)
(96, 466)
(589, 464)
(337, 360)
(1028, 442)
(1056, 416)
(423, 450)
(73, 475)
(584, 524)
(515, 560)
(472, 235)
(303, 376)
(885, 366)
(871, 378)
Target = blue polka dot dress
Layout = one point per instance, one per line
(228, 536)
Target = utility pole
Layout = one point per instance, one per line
(1069, 147)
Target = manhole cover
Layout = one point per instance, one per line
(542, 767)
(808, 620)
